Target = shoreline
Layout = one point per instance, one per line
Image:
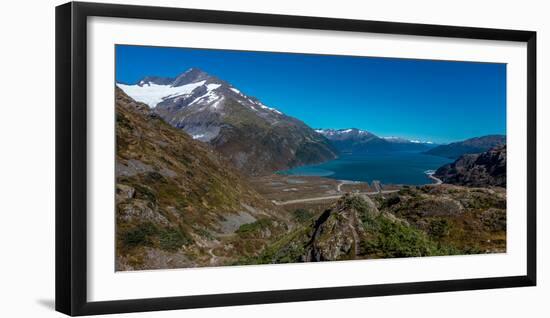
(284, 189)
(430, 174)
(402, 173)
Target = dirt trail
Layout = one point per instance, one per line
(331, 197)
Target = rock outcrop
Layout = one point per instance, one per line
(338, 232)
(477, 170)
(414, 222)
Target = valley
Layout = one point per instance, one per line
(209, 176)
(293, 190)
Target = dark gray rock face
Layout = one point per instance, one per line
(477, 170)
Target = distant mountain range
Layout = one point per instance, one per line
(256, 138)
(353, 140)
(469, 146)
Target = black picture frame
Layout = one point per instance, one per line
(71, 157)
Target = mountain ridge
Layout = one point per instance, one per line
(256, 138)
(353, 140)
(468, 146)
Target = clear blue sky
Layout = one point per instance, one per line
(440, 101)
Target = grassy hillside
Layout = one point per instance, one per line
(177, 201)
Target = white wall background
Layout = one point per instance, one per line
(27, 157)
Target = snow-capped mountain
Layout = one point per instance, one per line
(400, 140)
(345, 133)
(193, 86)
(255, 137)
(353, 140)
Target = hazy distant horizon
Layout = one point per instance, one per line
(437, 101)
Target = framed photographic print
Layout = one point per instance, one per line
(208, 158)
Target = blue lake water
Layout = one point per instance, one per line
(388, 168)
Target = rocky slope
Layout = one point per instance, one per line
(461, 219)
(256, 138)
(359, 141)
(477, 170)
(178, 202)
(469, 146)
(417, 221)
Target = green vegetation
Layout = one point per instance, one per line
(439, 228)
(418, 222)
(388, 237)
(466, 220)
(151, 235)
(395, 239)
(288, 249)
(391, 201)
(140, 235)
(172, 239)
(253, 227)
(302, 215)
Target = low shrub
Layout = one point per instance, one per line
(172, 239)
(302, 215)
(140, 235)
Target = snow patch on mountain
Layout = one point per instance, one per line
(152, 94)
(268, 108)
(206, 98)
(211, 87)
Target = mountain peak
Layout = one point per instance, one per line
(192, 75)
